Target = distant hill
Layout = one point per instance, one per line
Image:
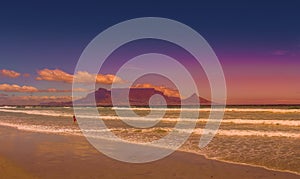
(137, 97)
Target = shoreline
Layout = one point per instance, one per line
(54, 147)
(295, 105)
(178, 150)
(250, 165)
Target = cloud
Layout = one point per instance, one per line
(80, 77)
(53, 90)
(31, 89)
(9, 73)
(26, 75)
(17, 88)
(85, 77)
(54, 75)
(33, 100)
(165, 90)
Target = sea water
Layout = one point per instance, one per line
(266, 136)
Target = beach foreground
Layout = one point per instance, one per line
(39, 155)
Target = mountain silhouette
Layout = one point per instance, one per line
(136, 97)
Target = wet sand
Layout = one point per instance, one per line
(11, 170)
(37, 155)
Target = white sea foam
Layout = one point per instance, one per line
(252, 133)
(234, 121)
(38, 128)
(268, 122)
(38, 112)
(65, 130)
(263, 110)
(8, 107)
(35, 111)
(215, 109)
(49, 129)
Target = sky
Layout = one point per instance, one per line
(257, 44)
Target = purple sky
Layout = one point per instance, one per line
(258, 45)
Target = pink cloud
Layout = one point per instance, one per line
(9, 73)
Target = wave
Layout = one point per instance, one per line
(77, 132)
(233, 121)
(267, 122)
(39, 112)
(214, 109)
(227, 132)
(39, 128)
(8, 107)
(49, 129)
(251, 133)
(138, 118)
(273, 110)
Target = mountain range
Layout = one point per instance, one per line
(137, 97)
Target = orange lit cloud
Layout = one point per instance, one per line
(26, 75)
(32, 100)
(9, 73)
(53, 90)
(17, 88)
(80, 77)
(31, 89)
(54, 75)
(165, 90)
(85, 77)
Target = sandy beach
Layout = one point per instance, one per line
(36, 155)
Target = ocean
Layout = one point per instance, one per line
(266, 136)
